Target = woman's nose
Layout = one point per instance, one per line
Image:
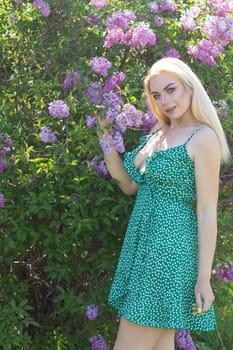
(164, 98)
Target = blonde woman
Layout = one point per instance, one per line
(162, 281)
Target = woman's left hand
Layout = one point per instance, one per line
(204, 295)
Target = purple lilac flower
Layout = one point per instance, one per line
(153, 6)
(224, 272)
(2, 201)
(139, 36)
(95, 92)
(99, 4)
(18, 1)
(120, 19)
(71, 79)
(97, 343)
(114, 81)
(129, 117)
(114, 36)
(3, 164)
(218, 29)
(184, 340)
(221, 107)
(90, 121)
(59, 109)
(99, 166)
(167, 5)
(46, 135)
(222, 8)
(100, 65)
(172, 53)
(94, 19)
(159, 20)
(92, 311)
(188, 16)
(42, 6)
(110, 141)
(148, 121)
(5, 145)
(205, 51)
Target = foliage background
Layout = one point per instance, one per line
(62, 225)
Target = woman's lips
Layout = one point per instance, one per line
(169, 110)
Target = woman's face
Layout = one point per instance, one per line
(171, 97)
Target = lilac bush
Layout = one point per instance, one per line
(65, 64)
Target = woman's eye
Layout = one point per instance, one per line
(156, 97)
(170, 90)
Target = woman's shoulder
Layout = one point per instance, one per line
(205, 140)
(156, 127)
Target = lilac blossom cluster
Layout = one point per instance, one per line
(46, 135)
(184, 340)
(71, 79)
(120, 31)
(99, 4)
(224, 272)
(92, 311)
(220, 7)
(59, 109)
(99, 166)
(100, 65)
(42, 6)
(218, 30)
(221, 107)
(97, 342)
(2, 200)
(6, 145)
(162, 5)
(188, 16)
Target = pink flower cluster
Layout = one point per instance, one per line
(59, 109)
(46, 135)
(42, 6)
(206, 51)
(99, 4)
(71, 79)
(119, 31)
(100, 65)
(162, 5)
(219, 32)
(171, 52)
(188, 16)
(109, 101)
(224, 272)
(218, 29)
(221, 8)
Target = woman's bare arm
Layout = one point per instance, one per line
(207, 158)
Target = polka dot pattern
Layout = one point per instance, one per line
(157, 268)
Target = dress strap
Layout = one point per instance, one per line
(194, 132)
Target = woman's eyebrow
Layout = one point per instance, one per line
(167, 86)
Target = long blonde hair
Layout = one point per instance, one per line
(202, 107)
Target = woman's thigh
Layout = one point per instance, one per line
(132, 336)
(166, 340)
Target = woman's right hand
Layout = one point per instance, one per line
(104, 125)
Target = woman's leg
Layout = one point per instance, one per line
(136, 337)
(166, 340)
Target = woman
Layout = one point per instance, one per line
(162, 281)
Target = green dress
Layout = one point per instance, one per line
(157, 268)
